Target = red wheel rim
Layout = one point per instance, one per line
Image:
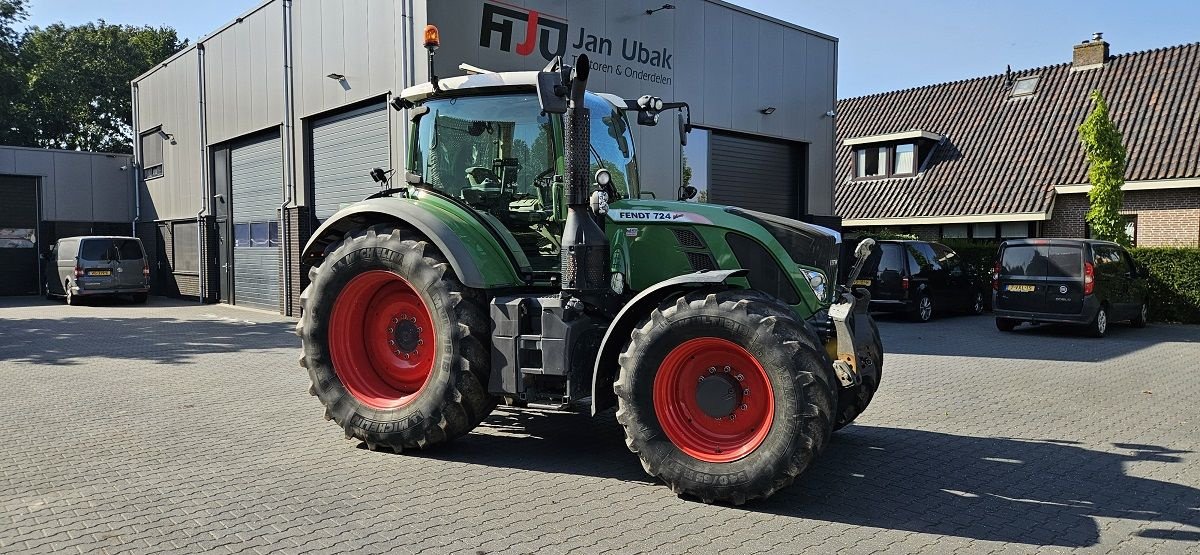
(689, 418)
(382, 339)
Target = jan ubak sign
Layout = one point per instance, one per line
(547, 35)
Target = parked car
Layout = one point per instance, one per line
(91, 266)
(920, 278)
(1072, 281)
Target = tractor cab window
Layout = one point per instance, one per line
(612, 146)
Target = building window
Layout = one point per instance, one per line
(905, 159)
(185, 248)
(872, 162)
(983, 231)
(256, 234)
(1025, 86)
(1014, 230)
(152, 154)
(954, 231)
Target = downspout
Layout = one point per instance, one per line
(205, 193)
(135, 165)
(289, 154)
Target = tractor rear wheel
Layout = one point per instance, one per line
(724, 395)
(394, 344)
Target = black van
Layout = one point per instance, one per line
(919, 278)
(1071, 281)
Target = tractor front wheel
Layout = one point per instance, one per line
(393, 343)
(724, 396)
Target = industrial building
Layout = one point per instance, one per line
(50, 194)
(270, 124)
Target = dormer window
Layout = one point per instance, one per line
(891, 155)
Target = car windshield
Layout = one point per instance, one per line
(472, 147)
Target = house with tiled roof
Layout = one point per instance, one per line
(999, 156)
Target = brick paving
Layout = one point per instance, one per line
(182, 428)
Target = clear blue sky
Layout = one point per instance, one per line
(883, 45)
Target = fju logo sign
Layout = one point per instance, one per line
(535, 30)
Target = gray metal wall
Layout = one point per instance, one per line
(345, 148)
(76, 186)
(726, 61)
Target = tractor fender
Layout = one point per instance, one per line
(628, 318)
(477, 258)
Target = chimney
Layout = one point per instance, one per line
(1090, 54)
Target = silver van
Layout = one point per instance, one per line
(90, 266)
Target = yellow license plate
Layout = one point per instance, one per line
(1020, 288)
(100, 272)
(862, 282)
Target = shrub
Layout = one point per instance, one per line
(1174, 282)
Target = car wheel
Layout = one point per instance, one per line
(72, 299)
(1099, 325)
(1142, 317)
(1006, 324)
(977, 306)
(924, 309)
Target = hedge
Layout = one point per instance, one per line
(1174, 276)
(1174, 282)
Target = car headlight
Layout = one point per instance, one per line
(817, 281)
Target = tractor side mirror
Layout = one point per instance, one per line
(688, 192)
(683, 128)
(552, 94)
(863, 250)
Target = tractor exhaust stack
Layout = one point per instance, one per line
(584, 251)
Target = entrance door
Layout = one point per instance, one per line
(19, 258)
(256, 190)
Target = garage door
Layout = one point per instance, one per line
(756, 174)
(256, 185)
(345, 148)
(18, 236)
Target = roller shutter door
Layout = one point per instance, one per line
(256, 185)
(345, 148)
(756, 174)
(18, 236)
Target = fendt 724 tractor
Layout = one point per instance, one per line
(516, 262)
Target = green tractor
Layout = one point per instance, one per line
(518, 263)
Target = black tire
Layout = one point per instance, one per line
(1005, 324)
(72, 299)
(1099, 325)
(797, 370)
(453, 398)
(1143, 316)
(139, 298)
(49, 295)
(854, 401)
(923, 310)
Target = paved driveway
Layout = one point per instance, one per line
(177, 427)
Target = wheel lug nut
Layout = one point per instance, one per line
(740, 377)
(391, 330)
(732, 416)
(712, 369)
(701, 378)
(726, 370)
(746, 392)
(395, 320)
(420, 342)
(405, 356)
(391, 342)
(420, 329)
(744, 406)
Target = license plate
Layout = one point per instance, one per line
(1020, 288)
(99, 272)
(862, 282)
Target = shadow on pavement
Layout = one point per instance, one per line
(65, 341)
(1026, 491)
(977, 336)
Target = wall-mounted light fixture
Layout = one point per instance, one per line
(831, 114)
(336, 76)
(166, 136)
(664, 7)
(767, 111)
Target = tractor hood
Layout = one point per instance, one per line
(806, 243)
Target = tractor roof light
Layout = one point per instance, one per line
(433, 39)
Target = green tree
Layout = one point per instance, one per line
(12, 12)
(77, 82)
(1106, 172)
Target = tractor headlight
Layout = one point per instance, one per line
(817, 281)
(617, 283)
